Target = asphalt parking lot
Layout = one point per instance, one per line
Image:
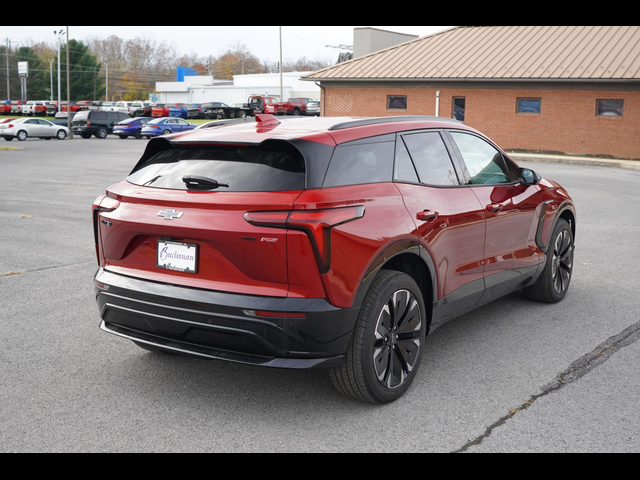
(512, 376)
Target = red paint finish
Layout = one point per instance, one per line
(454, 238)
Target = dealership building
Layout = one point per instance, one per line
(559, 89)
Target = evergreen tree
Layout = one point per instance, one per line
(86, 82)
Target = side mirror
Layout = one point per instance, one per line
(529, 177)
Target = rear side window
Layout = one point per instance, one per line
(361, 164)
(244, 169)
(432, 159)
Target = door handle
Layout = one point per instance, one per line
(495, 207)
(428, 216)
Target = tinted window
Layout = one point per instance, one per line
(405, 171)
(97, 116)
(245, 169)
(610, 108)
(529, 105)
(459, 108)
(396, 102)
(361, 164)
(432, 159)
(485, 164)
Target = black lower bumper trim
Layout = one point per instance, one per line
(216, 354)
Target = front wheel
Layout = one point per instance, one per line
(385, 353)
(554, 282)
(123, 137)
(61, 135)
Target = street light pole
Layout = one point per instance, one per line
(281, 82)
(68, 89)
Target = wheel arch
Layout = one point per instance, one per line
(410, 258)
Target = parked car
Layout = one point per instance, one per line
(5, 107)
(337, 243)
(32, 108)
(195, 111)
(141, 109)
(61, 118)
(177, 110)
(294, 106)
(215, 110)
(125, 107)
(100, 124)
(25, 128)
(16, 107)
(108, 107)
(131, 128)
(313, 109)
(166, 126)
(52, 109)
(76, 107)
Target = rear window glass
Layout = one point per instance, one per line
(361, 164)
(244, 169)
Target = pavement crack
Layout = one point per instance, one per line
(575, 372)
(24, 272)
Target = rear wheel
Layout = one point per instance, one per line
(555, 279)
(85, 136)
(102, 133)
(166, 132)
(138, 134)
(388, 342)
(22, 136)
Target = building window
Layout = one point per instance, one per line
(610, 108)
(530, 105)
(395, 102)
(459, 108)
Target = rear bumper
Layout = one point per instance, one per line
(214, 325)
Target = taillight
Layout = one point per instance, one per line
(317, 224)
(10, 125)
(88, 124)
(102, 204)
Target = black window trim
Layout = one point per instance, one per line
(463, 167)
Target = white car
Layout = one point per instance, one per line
(24, 128)
(108, 107)
(29, 108)
(125, 107)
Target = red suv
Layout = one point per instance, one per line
(324, 242)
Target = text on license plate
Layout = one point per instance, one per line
(180, 257)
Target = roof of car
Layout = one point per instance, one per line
(327, 130)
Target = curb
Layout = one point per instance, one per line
(593, 162)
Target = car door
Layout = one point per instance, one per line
(47, 128)
(450, 221)
(512, 212)
(33, 128)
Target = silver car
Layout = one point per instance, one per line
(24, 128)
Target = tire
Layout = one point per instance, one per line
(102, 133)
(296, 112)
(86, 136)
(152, 349)
(166, 132)
(61, 135)
(555, 280)
(381, 363)
(242, 114)
(123, 137)
(138, 134)
(22, 136)
(9, 139)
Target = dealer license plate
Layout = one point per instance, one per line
(179, 257)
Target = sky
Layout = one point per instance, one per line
(262, 41)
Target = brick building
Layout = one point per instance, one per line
(568, 89)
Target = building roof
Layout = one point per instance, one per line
(503, 53)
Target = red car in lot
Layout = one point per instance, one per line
(324, 243)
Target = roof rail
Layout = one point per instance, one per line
(381, 120)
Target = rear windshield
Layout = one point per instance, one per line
(244, 169)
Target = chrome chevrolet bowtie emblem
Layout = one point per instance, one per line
(170, 214)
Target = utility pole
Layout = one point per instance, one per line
(94, 82)
(59, 33)
(51, 78)
(6, 52)
(106, 95)
(281, 82)
(68, 89)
